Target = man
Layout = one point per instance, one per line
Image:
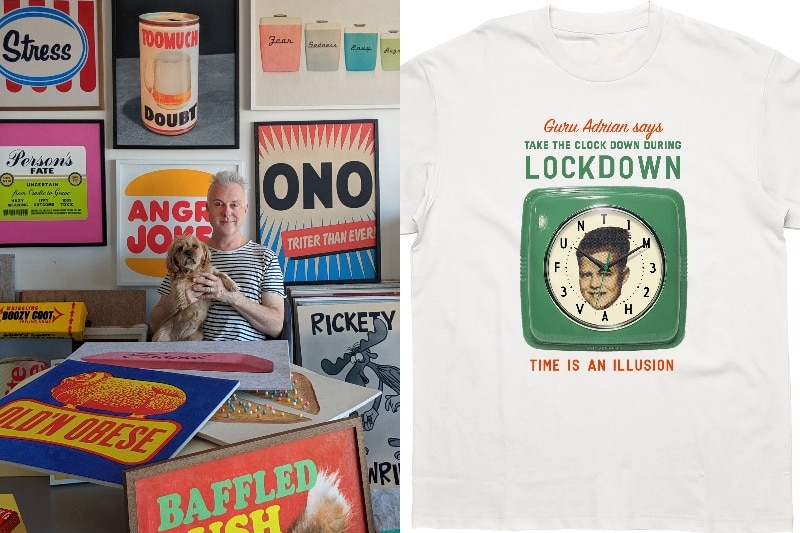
(255, 311)
(602, 265)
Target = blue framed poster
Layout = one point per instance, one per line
(92, 422)
(317, 198)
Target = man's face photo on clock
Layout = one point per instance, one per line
(601, 275)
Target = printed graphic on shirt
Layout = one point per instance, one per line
(593, 266)
(603, 268)
(608, 153)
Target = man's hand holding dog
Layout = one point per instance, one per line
(210, 287)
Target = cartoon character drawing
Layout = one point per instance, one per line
(363, 358)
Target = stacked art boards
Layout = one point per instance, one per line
(351, 333)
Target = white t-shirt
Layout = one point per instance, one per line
(560, 384)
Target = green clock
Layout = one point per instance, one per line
(603, 268)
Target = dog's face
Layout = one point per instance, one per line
(187, 254)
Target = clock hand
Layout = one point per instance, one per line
(590, 258)
(599, 291)
(618, 259)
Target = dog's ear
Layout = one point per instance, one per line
(172, 265)
(205, 262)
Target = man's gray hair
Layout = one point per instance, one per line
(228, 177)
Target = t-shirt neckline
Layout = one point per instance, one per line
(245, 245)
(649, 16)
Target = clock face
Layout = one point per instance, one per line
(605, 267)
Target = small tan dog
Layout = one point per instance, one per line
(187, 257)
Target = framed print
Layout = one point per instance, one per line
(157, 200)
(356, 339)
(70, 74)
(175, 66)
(285, 482)
(324, 54)
(317, 187)
(52, 183)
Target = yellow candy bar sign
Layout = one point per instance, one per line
(43, 320)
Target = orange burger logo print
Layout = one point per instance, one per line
(158, 202)
(102, 414)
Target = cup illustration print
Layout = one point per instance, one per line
(168, 78)
(390, 50)
(280, 40)
(360, 47)
(323, 45)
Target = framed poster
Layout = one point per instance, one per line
(52, 183)
(285, 482)
(70, 74)
(317, 198)
(157, 200)
(324, 54)
(175, 66)
(357, 340)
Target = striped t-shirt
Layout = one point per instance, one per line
(256, 270)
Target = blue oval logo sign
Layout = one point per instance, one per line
(41, 46)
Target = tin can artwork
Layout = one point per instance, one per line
(169, 60)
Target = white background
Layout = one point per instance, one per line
(425, 24)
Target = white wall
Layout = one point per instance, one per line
(94, 267)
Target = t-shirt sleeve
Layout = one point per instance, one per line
(418, 145)
(164, 288)
(272, 281)
(779, 166)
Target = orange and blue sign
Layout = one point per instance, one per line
(93, 421)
